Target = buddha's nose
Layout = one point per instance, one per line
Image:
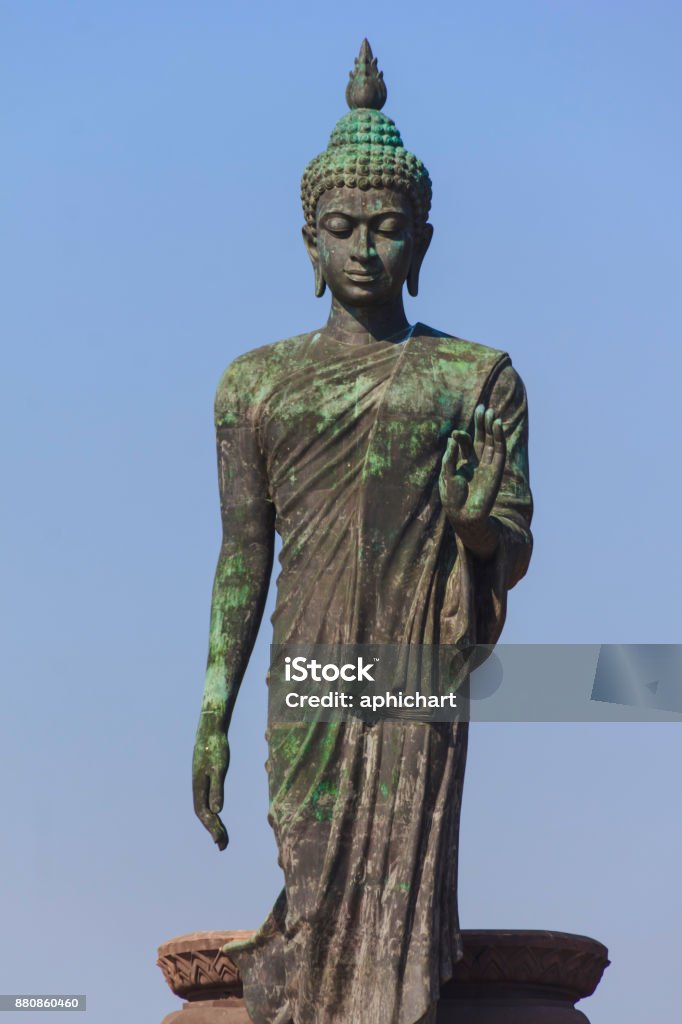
(364, 245)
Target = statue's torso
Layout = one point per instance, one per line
(352, 436)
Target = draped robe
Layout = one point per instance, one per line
(347, 439)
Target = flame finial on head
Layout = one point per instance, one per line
(366, 87)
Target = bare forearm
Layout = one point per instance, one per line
(239, 593)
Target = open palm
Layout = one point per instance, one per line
(471, 472)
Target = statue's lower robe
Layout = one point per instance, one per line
(348, 439)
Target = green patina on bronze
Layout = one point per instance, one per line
(392, 461)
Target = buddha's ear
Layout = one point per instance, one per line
(420, 251)
(310, 242)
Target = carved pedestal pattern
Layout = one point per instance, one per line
(207, 979)
(505, 977)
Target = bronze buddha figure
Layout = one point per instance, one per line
(392, 460)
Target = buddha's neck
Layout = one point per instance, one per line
(376, 323)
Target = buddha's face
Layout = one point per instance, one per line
(364, 244)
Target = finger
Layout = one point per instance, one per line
(200, 788)
(479, 430)
(219, 833)
(500, 446)
(498, 437)
(489, 446)
(216, 794)
(214, 825)
(466, 448)
(450, 456)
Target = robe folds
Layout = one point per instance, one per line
(346, 439)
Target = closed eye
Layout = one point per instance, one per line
(339, 226)
(391, 226)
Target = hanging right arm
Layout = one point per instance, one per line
(239, 593)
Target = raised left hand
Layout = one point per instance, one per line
(471, 473)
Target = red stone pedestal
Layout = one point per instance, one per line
(505, 977)
(207, 979)
(522, 977)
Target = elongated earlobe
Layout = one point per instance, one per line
(413, 279)
(310, 242)
(418, 259)
(320, 283)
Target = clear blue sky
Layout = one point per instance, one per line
(150, 233)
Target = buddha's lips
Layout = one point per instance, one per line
(360, 277)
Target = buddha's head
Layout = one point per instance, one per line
(366, 201)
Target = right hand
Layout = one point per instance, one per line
(209, 768)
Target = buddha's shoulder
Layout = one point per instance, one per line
(449, 346)
(251, 375)
(268, 357)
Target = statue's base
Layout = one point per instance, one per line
(505, 977)
(197, 971)
(522, 977)
(515, 1008)
(211, 1011)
